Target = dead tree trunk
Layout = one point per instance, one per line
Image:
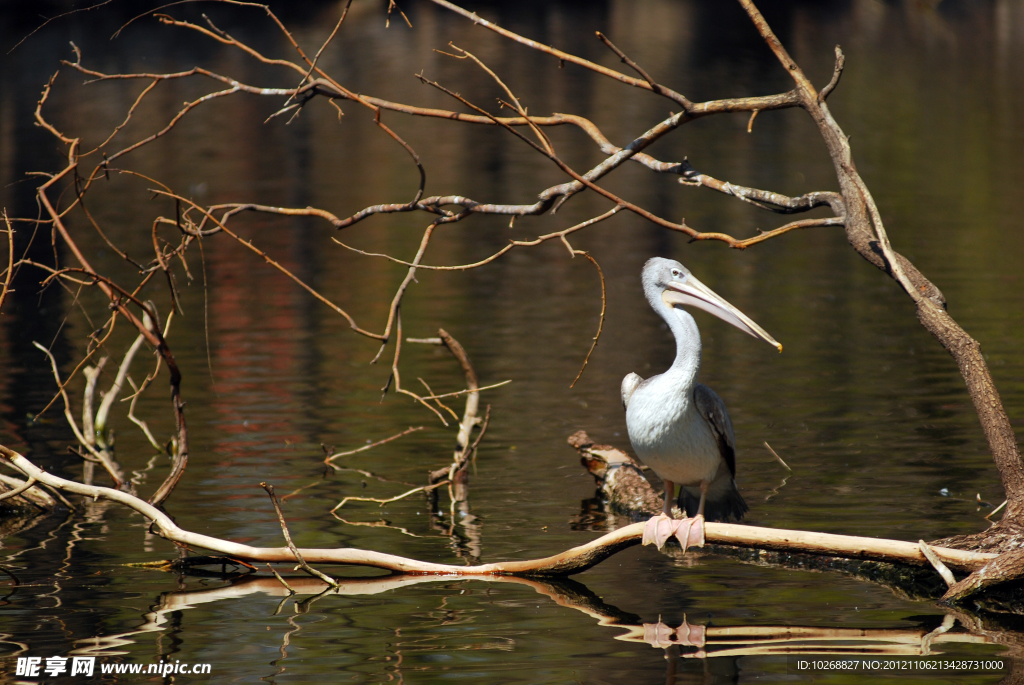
(866, 233)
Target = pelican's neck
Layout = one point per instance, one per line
(683, 371)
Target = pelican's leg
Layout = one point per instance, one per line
(660, 528)
(704, 485)
(691, 532)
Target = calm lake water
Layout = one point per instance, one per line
(865, 407)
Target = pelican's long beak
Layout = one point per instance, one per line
(692, 292)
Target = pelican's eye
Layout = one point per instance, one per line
(676, 273)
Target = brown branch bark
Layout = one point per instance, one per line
(773, 202)
(550, 199)
(117, 299)
(208, 215)
(600, 320)
(866, 233)
(9, 271)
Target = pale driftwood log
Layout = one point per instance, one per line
(571, 561)
(23, 492)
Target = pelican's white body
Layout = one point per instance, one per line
(669, 434)
(677, 426)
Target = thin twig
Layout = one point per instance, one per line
(272, 262)
(131, 411)
(786, 228)
(397, 377)
(10, 260)
(512, 244)
(382, 502)
(392, 5)
(996, 510)
(278, 576)
(543, 139)
(291, 545)
(600, 321)
(777, 457)
(338, 455)
(657, 88)
(88, 445)
(316, 58)
(836, 74)
(437, 400)
(463, 392)
(396, 301)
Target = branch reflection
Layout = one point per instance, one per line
(687, 640)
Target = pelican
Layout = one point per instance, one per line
(679, 427)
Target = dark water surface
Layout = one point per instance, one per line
(867, 409)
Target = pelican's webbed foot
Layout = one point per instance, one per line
(659, 529)
(689, 532)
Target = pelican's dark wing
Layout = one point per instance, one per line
(629, 386)
(724, 501)
(712, 408)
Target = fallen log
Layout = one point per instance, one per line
(571, 561)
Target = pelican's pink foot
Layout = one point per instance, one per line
(690, 532)
(659, 529)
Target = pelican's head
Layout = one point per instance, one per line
(672, 283)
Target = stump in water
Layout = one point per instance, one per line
(619, 478)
